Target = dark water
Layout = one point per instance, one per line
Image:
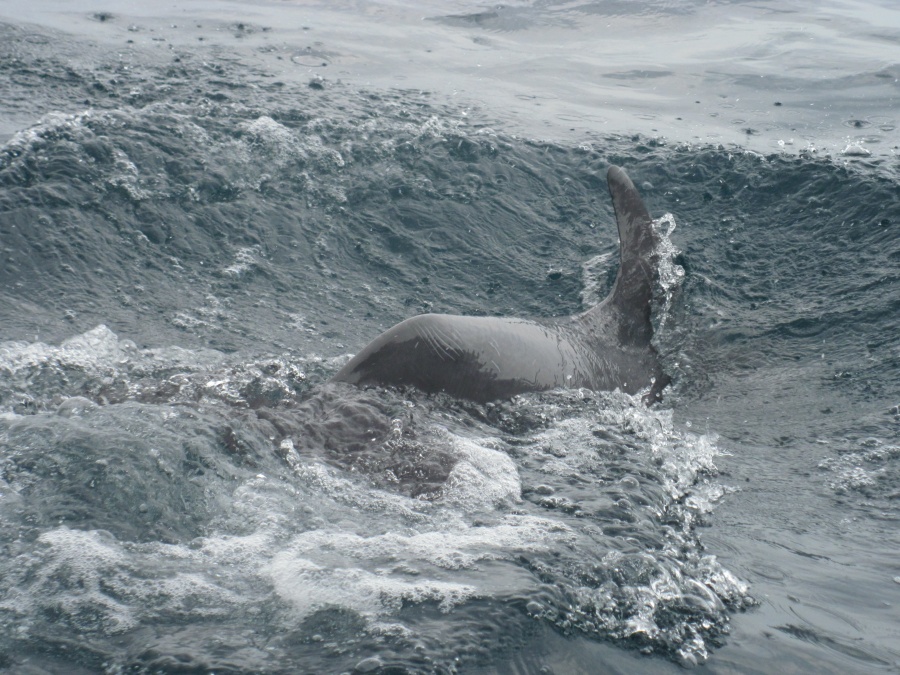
(192, 242)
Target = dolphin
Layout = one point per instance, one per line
(489, 358)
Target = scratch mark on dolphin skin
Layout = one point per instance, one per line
(442, 342)
(493, 343)
(432, 340)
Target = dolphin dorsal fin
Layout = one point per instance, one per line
(638, 265)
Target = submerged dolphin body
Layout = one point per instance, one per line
(488, 358)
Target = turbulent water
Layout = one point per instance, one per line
(192, 243)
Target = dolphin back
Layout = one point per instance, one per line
(487, 358)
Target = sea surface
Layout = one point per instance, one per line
(207, 207)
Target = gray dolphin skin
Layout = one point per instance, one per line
(489, 358)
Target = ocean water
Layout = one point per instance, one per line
(207, 207)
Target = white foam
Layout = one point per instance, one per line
(856, 149)
(245, 260)
(96, 349)
(51, 125)
(482, 476)
(71, 573)
(309, 587)
(375, 575)
(671, 274)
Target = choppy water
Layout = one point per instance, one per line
(203, 214)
